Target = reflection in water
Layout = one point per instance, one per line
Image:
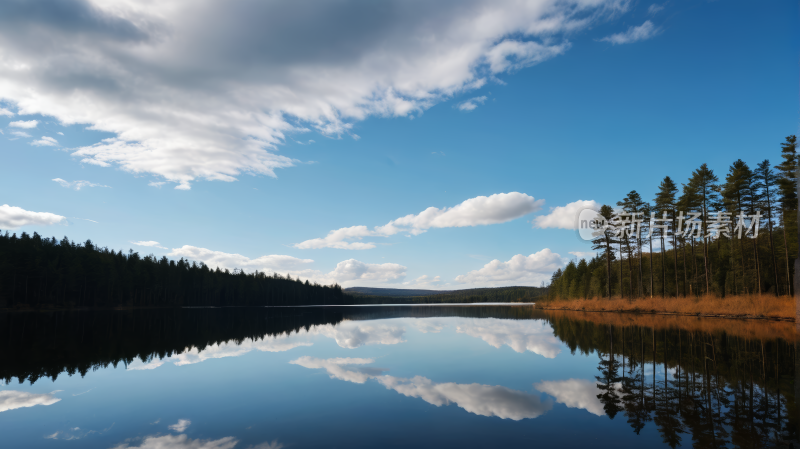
(699, 383)
(535, 336)
(484, 400)
(10, 399)
(180, 442)
(574, 393)
(347, 334)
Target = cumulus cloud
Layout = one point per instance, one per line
(350, 270)
(77, 185)
(521, 336)
(150, 243)
(481, 210)
(11, 399)
(181, 425)
(575, 393)
(219, 259)
(20, 134)
(5, 112)
(483, 400)
(29, 124)
(45, 141)
(241, 75)
(180, 442)
(423, 282)
(519, 270)
(472, 103)
(12, 217)
(634, 34)
(565, 217)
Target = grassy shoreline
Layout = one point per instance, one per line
(766, 307)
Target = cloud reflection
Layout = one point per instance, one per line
(184, 442)
(12, 399)
(523, 335)
(483, 400)
(347, 334)
(575, 393)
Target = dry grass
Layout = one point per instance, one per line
(743, 306)
(748, 329)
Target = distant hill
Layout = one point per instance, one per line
(369, 295)
(408, 292)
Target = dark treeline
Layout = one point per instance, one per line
(720, 390)
(628, 266)
(40, 272)
(36, 345)
(499, 294)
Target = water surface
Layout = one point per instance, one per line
(477, 376)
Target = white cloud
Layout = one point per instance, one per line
(156, 183)
(424, 282)
(180, 442)
(351, 269)
(240, 75)
(347, 271)
(583, 254)
(471, 104)
(565, 217)
(45, 141)
(150, 243)
(11, 399)
(77, 185)
(521, 336)
(214, 259)
(60, 133)
(12, 217)
(181, 425)
(428, 325)
(20, 134)
(30, 124)
(481, 210)
(519, 270)
(5, 112)
(575, 393)
(634, 34)
(655, 9)
(483, 400)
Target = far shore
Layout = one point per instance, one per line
(753, 307)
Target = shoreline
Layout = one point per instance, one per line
(686, 314)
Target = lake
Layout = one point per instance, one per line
(392, 376)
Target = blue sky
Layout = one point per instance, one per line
(275, 138)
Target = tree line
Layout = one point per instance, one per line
(40, 272)
(472, 295)
(627, 265)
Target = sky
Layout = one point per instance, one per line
(402, 144)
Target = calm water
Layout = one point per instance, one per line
(477, 376)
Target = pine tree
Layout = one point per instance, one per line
(765, 184)
(634, 205)
(603, 242)
(787, 196)
(665, 203)
(704, 182)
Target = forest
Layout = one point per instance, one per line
(37, 272)
(472, 295)
(760, 262)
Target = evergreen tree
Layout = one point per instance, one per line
(704, 183)
(787, 197)
(603, 242)
(665, 203)
(766, 182)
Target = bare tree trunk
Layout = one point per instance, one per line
(757, 266)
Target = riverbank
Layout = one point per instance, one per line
(765, 307)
